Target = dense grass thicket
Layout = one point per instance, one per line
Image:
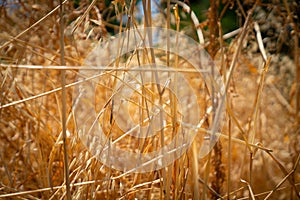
(45, 45)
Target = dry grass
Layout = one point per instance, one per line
(257, 156)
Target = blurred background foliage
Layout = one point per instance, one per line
(270, 14)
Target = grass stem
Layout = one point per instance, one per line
(64, 104)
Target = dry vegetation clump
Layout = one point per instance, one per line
(258, 153)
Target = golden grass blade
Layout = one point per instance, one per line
(13, 194)
(206, 187)
(258, 99)
(238, 50)
(195, 172)
(64, 103)
(237, 123)
(102, 68)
